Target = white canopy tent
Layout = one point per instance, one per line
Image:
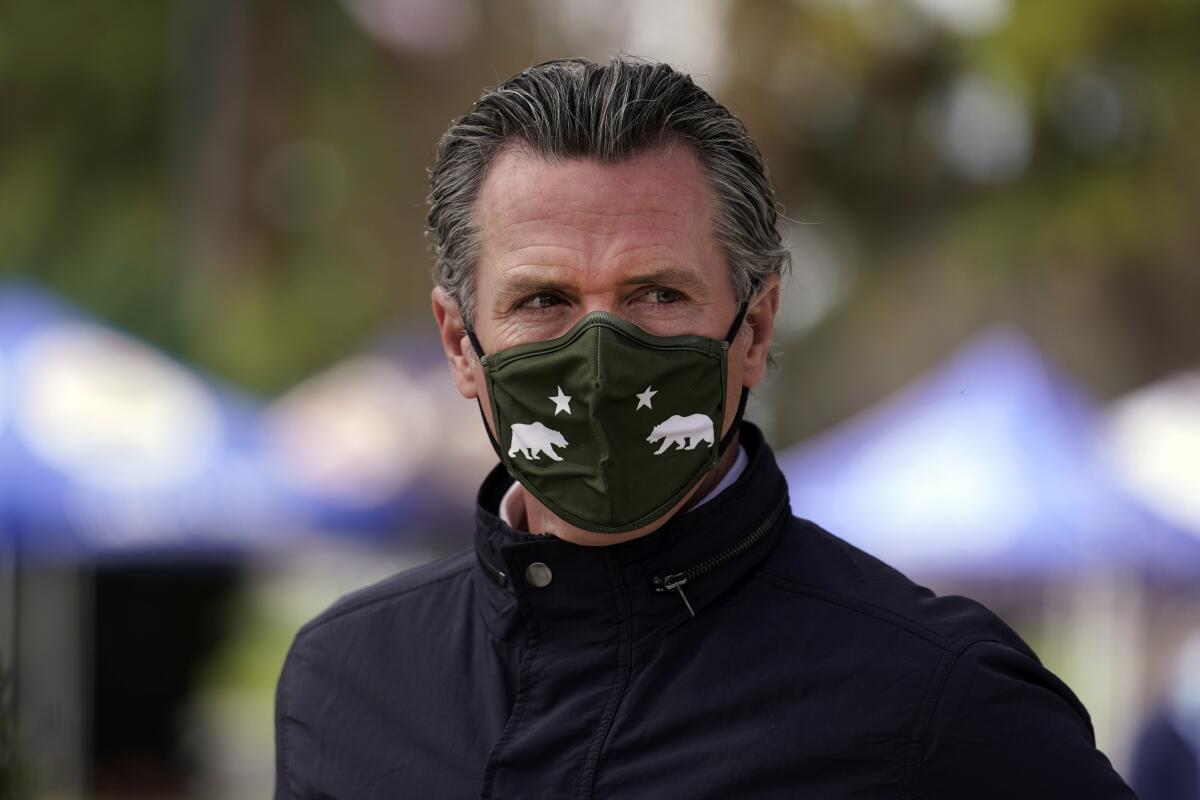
(1153, 445)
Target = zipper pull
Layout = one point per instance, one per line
(677, 586)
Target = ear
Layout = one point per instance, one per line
(457, 346)
(759, 326)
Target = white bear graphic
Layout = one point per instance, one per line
(534, 439)
(695, 428)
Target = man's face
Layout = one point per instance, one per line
(559, 240)
(634, 238)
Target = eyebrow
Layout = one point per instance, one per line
(524, 285)
(675, 277)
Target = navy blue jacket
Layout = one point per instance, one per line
(809, 669)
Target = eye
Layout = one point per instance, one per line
(542, 301)
(661, 295)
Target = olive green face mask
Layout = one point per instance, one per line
(607, 425)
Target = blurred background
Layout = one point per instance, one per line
(220, 384)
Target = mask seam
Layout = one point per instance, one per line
(597, 433)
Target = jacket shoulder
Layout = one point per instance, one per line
(988, 706)
(322, 692)
(416, 581)
(1000, 714)
(812, 561)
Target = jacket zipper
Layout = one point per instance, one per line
(676, 581)
(495, 574)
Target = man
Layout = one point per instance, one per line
(641, 615)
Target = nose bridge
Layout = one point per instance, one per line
(590, 302)
(599, 300)
(599, 365)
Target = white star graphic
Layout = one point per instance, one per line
(562, 402)
(644, 398)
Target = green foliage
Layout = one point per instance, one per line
(1089, 242)
(243, 183)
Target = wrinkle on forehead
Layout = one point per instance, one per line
(559, 199)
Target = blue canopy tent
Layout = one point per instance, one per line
(117, 463)
(986, 466)
(110, 450)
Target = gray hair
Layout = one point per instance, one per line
(575, 108)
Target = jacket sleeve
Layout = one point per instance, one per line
(286, 764)
(1003, 726)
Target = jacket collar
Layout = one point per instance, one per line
(711, 547)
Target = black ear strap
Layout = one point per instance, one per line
(474, 341)
(727, 439)
(488, 430)
(737, 321)
(741, 409)
(483, 417)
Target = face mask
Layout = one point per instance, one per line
(607, 425)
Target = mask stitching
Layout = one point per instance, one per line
(597, 432)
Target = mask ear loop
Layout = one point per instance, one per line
(478, 402)
(727, 439)
(737, 322)
(475, 342)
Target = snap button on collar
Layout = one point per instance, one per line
(538, 575)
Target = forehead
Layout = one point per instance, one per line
(534, 211)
